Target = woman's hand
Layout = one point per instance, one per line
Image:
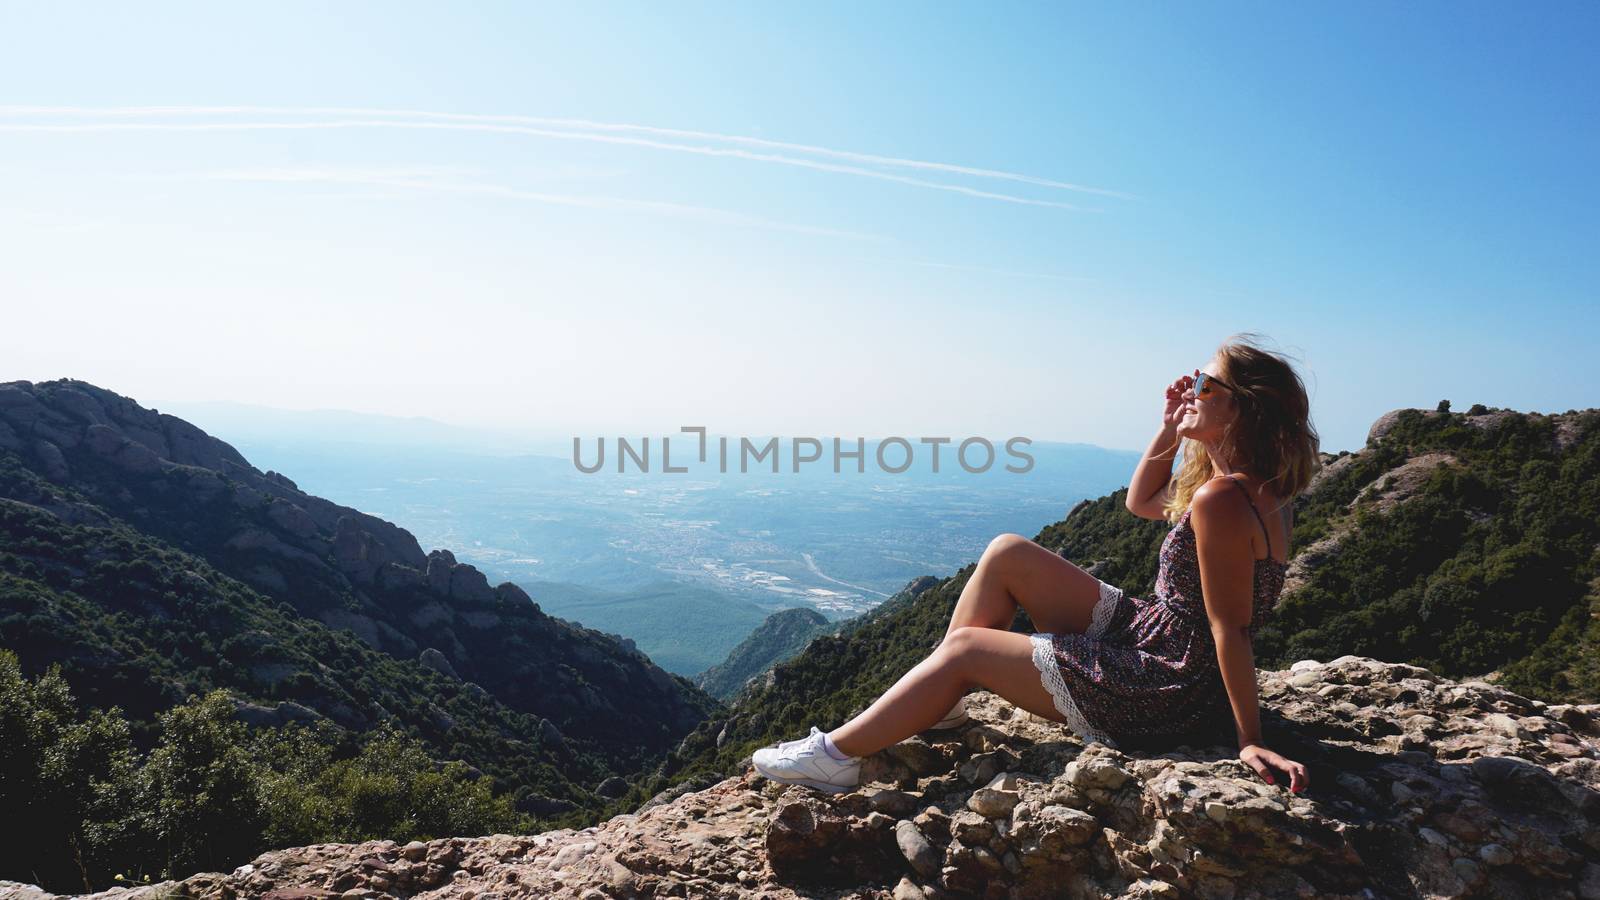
(1264, 761)
(1175, 402)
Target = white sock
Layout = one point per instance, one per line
(835, 752)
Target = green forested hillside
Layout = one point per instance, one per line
(1486, 562)
(778, 637)
(136, 624)
(89, 456)
(138, 630)
(683, 628)
(786, 633)
(154, 569)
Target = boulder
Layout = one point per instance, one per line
(436, 661)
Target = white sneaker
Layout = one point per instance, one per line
(955, 718)
(806, 762)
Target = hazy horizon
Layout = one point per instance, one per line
(501, 438)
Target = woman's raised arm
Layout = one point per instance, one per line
(1148, 489)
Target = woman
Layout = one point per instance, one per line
(1112, 667)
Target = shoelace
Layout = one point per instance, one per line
(785, 745)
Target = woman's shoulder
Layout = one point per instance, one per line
(1218, 501)
(1214, 493)
(1255, 488)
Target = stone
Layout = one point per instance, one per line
(895, 803)
(1305, 679)
(906, 890)
(992, 804)
(1096, 772)
(1496, 855)
(917, 850)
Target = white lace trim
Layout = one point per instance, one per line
(1104, 610)
(1044, 659)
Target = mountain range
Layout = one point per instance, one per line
(147, 569)
(151, 561)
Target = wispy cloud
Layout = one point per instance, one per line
(645, 136)
(1010, 273)
(347, 174)
(53, 221)
(985, 270)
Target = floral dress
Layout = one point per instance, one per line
(1146, 669)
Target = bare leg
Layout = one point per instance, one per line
(985, 601)
(999, 661)
(919, 699)
(1058, 596)
(978, 650)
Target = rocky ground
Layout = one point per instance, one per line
(1419, 787)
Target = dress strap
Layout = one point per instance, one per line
(1256, 511)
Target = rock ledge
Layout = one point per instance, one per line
(1420, 787)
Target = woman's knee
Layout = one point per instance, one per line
(965, 640)
(962, 648)
(995, 660)
(1002, 543)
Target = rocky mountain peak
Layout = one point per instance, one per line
(68, 425)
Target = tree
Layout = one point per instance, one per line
(200, 788)
(64, 773)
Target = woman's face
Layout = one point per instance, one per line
(1205, 417)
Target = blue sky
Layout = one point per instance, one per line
(913, 219)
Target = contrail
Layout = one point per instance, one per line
(548, 127)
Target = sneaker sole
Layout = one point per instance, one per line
(806, 782)
(953, 721)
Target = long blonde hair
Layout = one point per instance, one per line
(1272, 437)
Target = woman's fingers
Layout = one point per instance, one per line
(1297, 777)
(1296, 772)
(1261, 768)
(1264, 761)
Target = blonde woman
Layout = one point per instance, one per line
(1112, 667)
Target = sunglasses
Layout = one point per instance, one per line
(1203, 383)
